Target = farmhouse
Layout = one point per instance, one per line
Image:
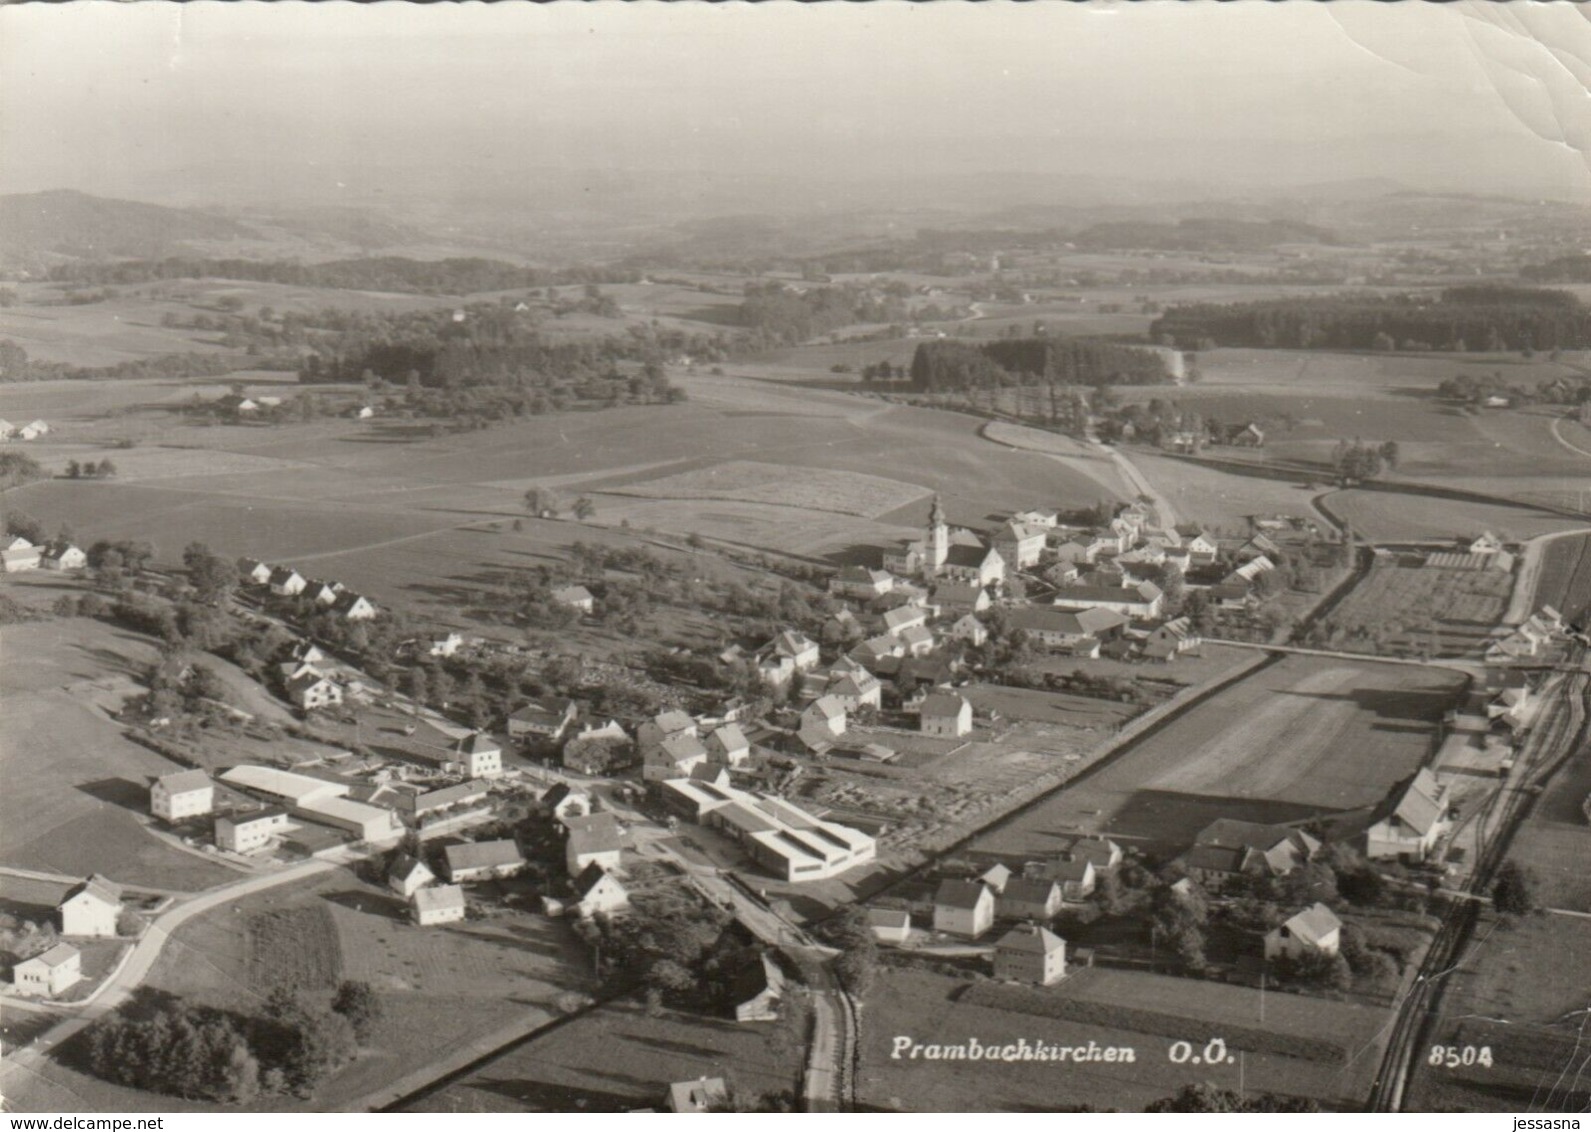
(49, 974)
(758, 988)
(408, 875)
(245, 833)
(946, 715)
(287, 582)
(824, 717)
(963, 907)
(781, 837)
(594, 839)
(1227, 849)
(310, 690)
(860, 582)
(543, 720)
(901, 618)
(438, 904)
(678, 755)
(855, 688)
(599, 892)
(420, 808)
(1314, 931)
(91, 908)
(314, 799)
(953, 598)
(574, 597)
(477, 860)
(1030, 954)
(62, 556)
(727, 746)
(1413, 821)
(1171, 640)
(186, 794)
(799, 649)
(1142, 601)
(970, 630)
(890, 925)
(1065, 629)
(253, 571)
(20, 556)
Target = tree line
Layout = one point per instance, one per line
(957, 365)
(1486, 318)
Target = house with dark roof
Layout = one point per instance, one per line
(890, 925)
(543, 720)
(51, 973)
(947, 715)
(1228, 849)
(593, 839)
(861, 582)
(1066, 630)
(482, 860)
(757, 990)
(408, 875)
(91, 908)
(598, 891)
(954, 598)
(1030, 899)
(1141, 601)
(963, 907)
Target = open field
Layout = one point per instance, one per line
(620, 1058)
(1565, 580)
(1218, 499)
(1404, 610)
(927, 1008)
(1386, 517)
(749, 481)
(76, 789)
(1304, 737)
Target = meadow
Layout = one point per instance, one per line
(1565, 581)
(1380, 516)
(1304, 738)
(1413, 609)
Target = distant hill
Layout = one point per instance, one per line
(69, 223)
(1199, 235)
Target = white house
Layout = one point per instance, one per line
(825, 717)
(599, 891)
(1409, 826)
(185, 794)
(438, 904)
(1142, 601)
(946, 715)
(310, 690)
(91, 908)
(969, 629)
(1030, 954)
(479, 755)
(62, 556)
(574, 597)
(353, 607)
(901, 618)
(47, 975)
(253, 571)
(1019, 544)
(287, 582)
(408, 875)
(890, 925)
(246, 833)
(728, 746)
(477, 860)
(1314, 931)
(963, 907)
(593, 840)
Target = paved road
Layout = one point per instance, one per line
(133, 970)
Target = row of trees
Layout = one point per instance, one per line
(1491, 319)
(90, 470)
(952, 364)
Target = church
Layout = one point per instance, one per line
(946, 555)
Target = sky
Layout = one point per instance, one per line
(201, 101)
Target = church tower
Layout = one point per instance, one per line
(938, 545)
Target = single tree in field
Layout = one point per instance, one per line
(74, 470)
(19, 524)
(584, 508)
(1514, 890)
(1389, 455)
(358, 1002)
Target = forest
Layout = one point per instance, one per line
(778, 315)
(1564, 269)
(953, 365)
(1484, 318)
(456, 276)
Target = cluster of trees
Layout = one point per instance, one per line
(15, 365)
(165, 1045)
(1358, 461)
(1564, 269)
(775, 314)
(857, 963)
(89, 470)
(680, 949)
(18, 468)
(455, 276)
(1486, 318)
(952, 364)
(1472, 390)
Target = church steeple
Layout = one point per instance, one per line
(938, 537)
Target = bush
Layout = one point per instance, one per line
(1514, 890)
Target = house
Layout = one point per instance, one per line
(596, 749)
(1076, 876)
(408, 875)
(946, 714)
(901, 618)
(62, 556)
(1103, 853)
(871, 652)
(825, 717)
(1027, 898)
(1257, 546)
(479, 755)
(652, 733)
(798, 648)
(890, 925)
(445, 646)
(321, 593)
(1039, 517)
(727, 746)
(482, 860)
(48, 974)
(543, 720)
(599, 892)
(1171, 640)
(860, 582)
(1485, 543)
(565, 801)
(963, 907)
(973, 563)
(363, 413)
(918, 640)
(91, 908)
(20, 555)
(701, 1095)
(969, 629)
(676, 756)
(575, 597)
(1066, 630)
(1030, 953)
(185, 794)
(1201, 547)
(287, 582)
(304, 652)
(1142, 601)
(1248, 435)
(995, 878)
(1409, 826)
(310, 690)
(593, 840)
(955, 598)
(855, 688)
(757, 990)
(1227, 849)
(1019, 544)
(352, 607)
(438, 904)
(1314, 931)
(248, 832)
(428, 809)
(316, 799)
(33, 430)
